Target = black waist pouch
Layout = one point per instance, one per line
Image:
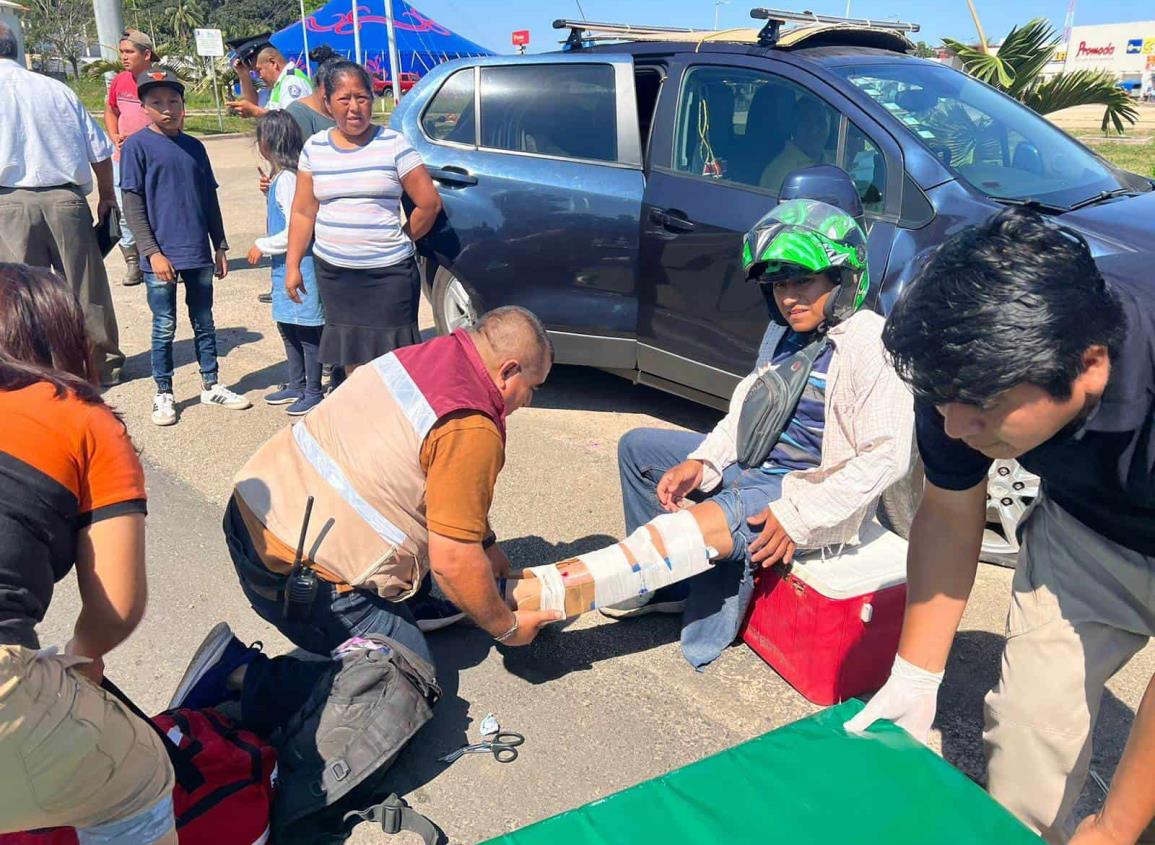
(770, 403)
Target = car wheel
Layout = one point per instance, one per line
(1010, 491)
(387, 92)
(452, 305)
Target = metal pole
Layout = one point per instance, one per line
(394, 60)
(216, 92)
(109, 26)
(305, 40)
(356, 33)
(847, 9)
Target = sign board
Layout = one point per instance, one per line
(209, 42)
(520, 37)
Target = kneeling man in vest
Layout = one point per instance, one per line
(401, 461)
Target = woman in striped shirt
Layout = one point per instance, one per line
(347, 204)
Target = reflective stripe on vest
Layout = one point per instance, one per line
(328, 469)
(406, 394)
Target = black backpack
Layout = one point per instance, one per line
(359, 717)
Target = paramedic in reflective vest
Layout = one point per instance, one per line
(286, 83)
(401, 461)
(1018, 345)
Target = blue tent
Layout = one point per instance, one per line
(421, 41)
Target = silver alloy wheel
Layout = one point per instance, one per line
(1010, 491)
(457, 309)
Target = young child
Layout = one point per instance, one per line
(299, 322)
(170, 199)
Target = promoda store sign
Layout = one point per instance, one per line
(1116, 48)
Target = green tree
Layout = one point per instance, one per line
(925, 51)
(1017, 70)
(58, 29)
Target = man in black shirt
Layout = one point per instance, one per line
(1017, 346)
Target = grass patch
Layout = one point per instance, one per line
(92, 92)
(206, 124)
(1138, 158)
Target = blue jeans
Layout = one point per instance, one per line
(334, 617)
(198, 296)
(127, 239)
(716, 600)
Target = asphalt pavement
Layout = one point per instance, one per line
(603, 704)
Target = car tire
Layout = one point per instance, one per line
(1010, 491)
(387, 92)
(453, 305)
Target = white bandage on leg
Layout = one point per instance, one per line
(552, 587)
(615, 578)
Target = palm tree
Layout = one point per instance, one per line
(1018, 67)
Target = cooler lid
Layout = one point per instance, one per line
(877, 562)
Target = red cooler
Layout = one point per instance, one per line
(830, 626)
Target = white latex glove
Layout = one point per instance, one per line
(908, 698)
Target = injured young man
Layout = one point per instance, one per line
(812, 439)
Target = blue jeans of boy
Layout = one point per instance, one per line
(716, 600)
(198, 298)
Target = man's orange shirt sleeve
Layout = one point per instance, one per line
(461, 457)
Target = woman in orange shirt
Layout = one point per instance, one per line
(71, 495)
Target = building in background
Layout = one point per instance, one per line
(1125, 50)
(10, 15)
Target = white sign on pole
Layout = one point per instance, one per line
(209, 42)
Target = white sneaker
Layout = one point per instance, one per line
(163, 412)
(220, 395)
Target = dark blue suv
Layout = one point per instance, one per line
(606, 188)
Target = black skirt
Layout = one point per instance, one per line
(368, 310)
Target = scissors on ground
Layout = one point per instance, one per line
(503, 747)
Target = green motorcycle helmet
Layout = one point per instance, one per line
(802, 237)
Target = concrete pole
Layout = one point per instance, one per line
(356, 33)
(394, 61)
(109, 26)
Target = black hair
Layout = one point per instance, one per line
(324, 58)
(343, 68)
(1014, 300)
(279, 139)
(8, 45)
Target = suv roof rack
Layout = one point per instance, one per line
(583, 33)
(774, 18)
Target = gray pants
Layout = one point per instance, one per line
(1082, 607)
(52, 227)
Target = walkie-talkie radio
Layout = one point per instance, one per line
(301, 588)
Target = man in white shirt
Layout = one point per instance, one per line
(49, 148)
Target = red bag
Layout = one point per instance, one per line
(225, 781)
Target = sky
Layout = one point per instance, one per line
(490, 22)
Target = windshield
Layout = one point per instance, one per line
(994, 143)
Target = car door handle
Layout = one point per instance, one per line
(671, 220)
(455, 176)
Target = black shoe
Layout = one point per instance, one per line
(265, 298)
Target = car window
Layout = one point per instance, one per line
(564, 111)
(866, 164)
(449, 115)
(751, 128)
(994, 143)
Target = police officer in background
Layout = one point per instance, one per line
(286, 83)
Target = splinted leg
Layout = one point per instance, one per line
(669, 548)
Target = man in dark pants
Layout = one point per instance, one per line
(1018, 347)
(48, 143)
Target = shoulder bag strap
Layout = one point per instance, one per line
(187, 774)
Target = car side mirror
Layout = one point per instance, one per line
(825, 183)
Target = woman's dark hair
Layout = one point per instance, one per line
(1015, 300)
(42, 336)
(323, 59)
(339, 70)
(279, 139)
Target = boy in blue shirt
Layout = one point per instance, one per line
(170, 200)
